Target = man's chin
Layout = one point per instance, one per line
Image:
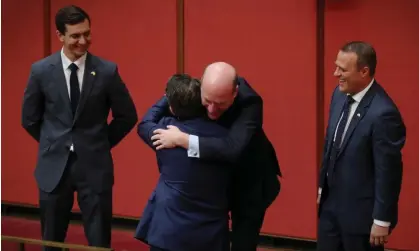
(343, 88)
(213, 117)
(80, 51)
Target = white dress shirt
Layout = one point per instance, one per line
(81, 63)
(357, 97)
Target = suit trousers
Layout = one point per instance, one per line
(96, 208)
(330, 235)
(247, 215)
(245, 230)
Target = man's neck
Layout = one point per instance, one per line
(365, 85)
(70, 55)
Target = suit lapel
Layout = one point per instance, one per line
(60, 82)
(88, 80)
(360, 111)
(335, 119)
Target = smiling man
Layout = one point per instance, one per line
(361, 175)
(65, 108)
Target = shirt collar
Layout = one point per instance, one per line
(66, 61)
(358, 97)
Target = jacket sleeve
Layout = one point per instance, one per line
(323, 169)
(389, 135)
(123, 109)
(150, 121)
(33, 106)
(241, 132)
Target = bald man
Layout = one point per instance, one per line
(231, 102)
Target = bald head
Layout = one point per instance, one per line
(219, 75)
(218, 88)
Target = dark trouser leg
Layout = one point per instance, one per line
(328, 234)
(56, 208)
(359, 243)
(96, 209)
(245, 229)
(248, 209)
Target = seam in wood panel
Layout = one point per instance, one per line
(320, 19)
(47, 27)
(180, 36)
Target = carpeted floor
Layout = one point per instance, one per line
(122, 240)
(30, 228)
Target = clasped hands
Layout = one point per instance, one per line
(168, 138)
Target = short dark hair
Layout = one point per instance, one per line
(365, 52)
(184, 95)
(69, 15)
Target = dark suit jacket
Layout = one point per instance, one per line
(188, 209)
(248, 147)
(47, 117)
(368, 169)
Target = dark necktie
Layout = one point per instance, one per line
(74, 88)
(339, 139)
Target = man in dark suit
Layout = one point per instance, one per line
(188, 210)
(361, 176)
(231, 101)
(65, 108)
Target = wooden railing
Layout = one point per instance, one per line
(65, 247)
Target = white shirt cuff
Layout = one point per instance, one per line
(193, 150)
(382, 223)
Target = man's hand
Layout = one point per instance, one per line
(378, 235)
(169, 138)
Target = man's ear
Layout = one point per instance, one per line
(236, 90)
(365, 71)
(59, 35)
(171, 110)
